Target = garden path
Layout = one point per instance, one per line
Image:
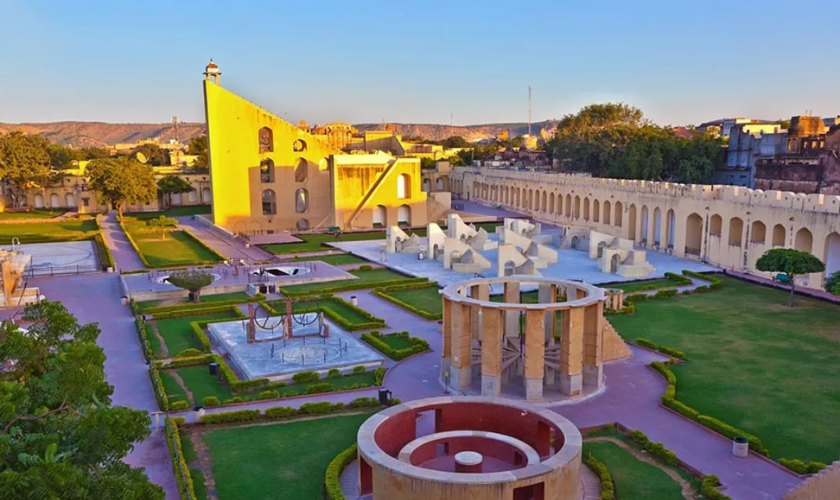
(125, 258)
(230, 248)
(203, 462)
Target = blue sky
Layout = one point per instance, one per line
(407, 61)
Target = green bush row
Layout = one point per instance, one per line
(374, 339)
(199, 336)
(143, 336)
(669, 400)
(678, 280)
(708, 488)
(384, 294)
(341, 286)
(281, 412)
(184, 361)
(106, 259)
(627, 309)
(157, 386)
(185, 312)
(670, 351)
(600, 469)
(714, 281)
(334, 470)
(197, 306)
(179, 405)
(801, 467)
(182, 472)
(656, 449)
(307, 376)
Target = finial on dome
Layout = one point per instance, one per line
(212, 71)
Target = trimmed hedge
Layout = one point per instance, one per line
(670, 351)
(106, 259)
(801, 467)
(198, 306)
(334, 470)
(157, 386)
(709, 488)
(600, 469)
(669, 400)
(714, 281)
(383, 293)
(209, 401)
(627, 309)
(185, 312)
(283, 412)
(179, 405)
(374, 339)
(143, 336)
(182, 472)
(181, 362)
(232, 416)
(307, 376)
(340, 286)
(678, 279)
(656, 449)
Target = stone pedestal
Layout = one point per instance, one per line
(468, 462)
(571, 385)
(593, 376)
(533, 389)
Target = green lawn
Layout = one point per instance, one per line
(173, 212)
(348, 313)
(173, 389)
(177, 332)
(754, 363)
(335, 260)
(202, 384)
(634, 478)
(424, 299)
(31, 214)
(395, 342)
(191, 456)
(372, 276)
(179, 248)
(219, 297)
(68, 230)
(636, 286)
(280, 461)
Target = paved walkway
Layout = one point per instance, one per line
(819, 294)
(230, 248)
(96, 298)
(125, 258)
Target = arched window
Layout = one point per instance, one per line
(736, 231)
(303, 225)
(439, 184)
(804, 240)
(54, 200)
(427, 185)
(778, 235)
(299, 145)
(266, 171)
(192, 196)
(206, 195)
(301, 200)
(266, 140)
(301, 170)
(269, 202)
(403, 186)
(758, 232)
(379, 216)
(404, 215)
(693, 234)
(69, 200)
(716, 225)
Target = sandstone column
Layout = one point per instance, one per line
(491, 352)
(460, 373)
(446, 352)
(571, 353)
(593, 345)
(534, 354)
(512, 317)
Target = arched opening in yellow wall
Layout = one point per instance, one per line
(758, 233)
(619, 214)
(670, 227)
(301, 200)
(586, 209)
(269, 202)
(69, 200)
(266, 140)
(736, 231)
(832, 253)
(607, 213)
(577, 207)
(551, 203)
(596, 211)
(693, 234)
(403, 186)
(804, 240)
(301, 170)
(631, 214)
(267, 171)
(303, 225)
(657, 226)
(404, 215)
(778, 235)
(379, 216)
(716, 225)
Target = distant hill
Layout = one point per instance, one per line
(83, 134)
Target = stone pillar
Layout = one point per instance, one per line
(547, 294)
(571, 351)
(446, 352)
(460, 374)
(534, 354)
(593, 345)
(512, 317)
(252, 326)
(287, 330)
(491, 352)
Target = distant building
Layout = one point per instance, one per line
(723, 127)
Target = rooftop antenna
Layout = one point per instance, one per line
(175, 125)
(529, 111)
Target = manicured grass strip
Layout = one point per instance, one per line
(637, 286)
(283, 461)
(31, 214)
(179, 248)
(424, 300)
(241, 297)
(750, 355)
(367, 279)
(336, 309)
(50, 232)
(173, 212)
(334, 260)
(632, 477)
(198, 483)
(397, 346)
(173, 389)
(177, 332)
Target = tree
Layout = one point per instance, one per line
(792, 263)
(62, 157)
(190, 280)
(164, 223)
(427, 164)
(832, 284)
(24, 163)
(783, 124)
(173, 184)
(154, 154)
(456, 141)
(121, 180)
(94, 153)
(59, 435)
(198, 147)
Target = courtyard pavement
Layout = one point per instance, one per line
(230, 248)
(125, 258)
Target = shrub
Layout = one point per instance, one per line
(157, 386)
(337, 465)
(235, 399)
(179, 405)
(142, 334)
(333, 373)
(269, 394)
(231, 416)
(209, 401)
(678, 279)
(358, 369)
(663, 349)
(801, 467)
(378, 376)
(319, 388)
(627, 309)
(363, 403)
(656, 449)
(664, 294)
(187, 353)
(176, 451)
(280, 412)
(384, 293)
(106, 259)
(600, 469)
(307, 376)
(185, 361)
(199, 336)
(194, 307)
(319, 408)
(709, 488)
(365, 267)
(714, 281)
(417, 345)
(289, 394)
(341, 286)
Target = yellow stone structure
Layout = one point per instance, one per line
(727, 226)
(269, 175)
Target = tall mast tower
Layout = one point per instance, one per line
(529, 111)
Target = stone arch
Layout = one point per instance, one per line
(615, 261)
(832, 253)
(192, 197)
(439, 185)
(631, 214)
(607, 213)
(269, 202)
(530, 201)
(778, 235)
(577, 207)
(693, 234)
(70, 200)
(736, 231)
(568, 205)
(804, 240)
(619, 213)
(266, 140)
(55, 201)
(601, 246)
(301, 170)
(301, 200)
(427, 185)
(758, 232)
(596, 211)
(380, 216)
(551, 203)
(670, 228)
(404, 215)
(586, 208)
(299, 146)
(39, 200)
(206, 195)
(536, 202)
(544, 204)
(645, 224)
(657, 226)
(267, 171)
(403, 186)
(716, 225)
(302, 225)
